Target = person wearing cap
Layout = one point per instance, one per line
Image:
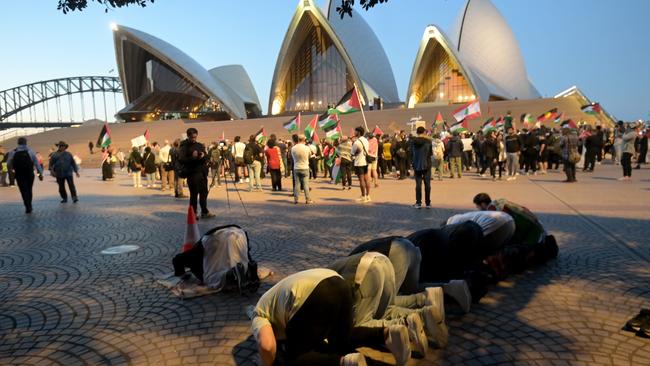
(21, 162)
(194, 158)
(62, 165)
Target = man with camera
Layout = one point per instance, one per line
(194, 160)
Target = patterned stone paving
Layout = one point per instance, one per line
(63, 303)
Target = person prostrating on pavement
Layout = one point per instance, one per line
(194, 159)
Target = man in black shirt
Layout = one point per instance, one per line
(194, 159)
(513, 147)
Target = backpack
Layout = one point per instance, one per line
(227, 263)
(22, 163)
(248, 155)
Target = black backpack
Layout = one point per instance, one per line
(248, 155)
(22, 163)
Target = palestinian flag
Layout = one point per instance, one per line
(468, 111)
(500, 124)
(559, 118)
(488, 126)
(146, 134)
(348, 104)
(293, 125)
(315, 139)
(593, 108)
(336, 171)
(459, 127)
(508, 122)
(260, 136)
(439, 119)
(331, 160)
(377, 131)
(311, 128)
(569, 124)
(552, 113)
(327, 121)
(104, 137)
(334, 133)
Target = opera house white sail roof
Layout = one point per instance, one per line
(158, 77)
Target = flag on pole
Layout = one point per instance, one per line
(293, 125)
(334, 133)
(569, 124)
(260, 136)
(311, 128)
(146, 135)
(104, 137)
(377, 131)
(593, 108)
(552, 113)
(348, 104)
(468, 111)
(500, 123)
(314, 138)
(336, 170)
(327, 121)
(559, 118)
(489, 126)
(459, 127)
(439, 119)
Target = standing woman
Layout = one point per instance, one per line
(135, 167)
(502, 154)
(108, 160)
(627, 150)
(149, 162)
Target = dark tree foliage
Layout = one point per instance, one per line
(72, 5)
(346, 6)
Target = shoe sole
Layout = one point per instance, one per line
(401, 333)
(459, 291)
(417, 335)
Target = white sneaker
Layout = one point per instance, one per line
(361, 199)
(398, 344)
(510, 179)
(434, 316)
(368, 199)
(459, 291)
(354, 359)
(417, 336)
(246, 180)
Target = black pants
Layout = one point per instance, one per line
(590, 160)
(25, 184)
(346, 173)
(626, 162)
(192, 259)
(492, 164)
(62, 192)
(401, 166)
(570, 171)
(198, 185)
(501, 168)
(421, 175)
(530, 161)
(313, 168)
(327, 314)
(276, 179)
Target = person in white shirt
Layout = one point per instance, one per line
(300, 154)
(498, 227)
(359, 153)
(238, 153)
(167, 171)
(307, 308)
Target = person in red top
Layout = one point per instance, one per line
(273, 161)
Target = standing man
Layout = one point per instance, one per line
(373, 151)
(255, 166)
(513, 147)
(421, 152)
(62, 164)
(570, 156)
(592, 145)
(194, 159)
(238, 153)
(90, 146)
(300, 154)
(627, 150)
(359, 153)
(455, 151)
(21, 162)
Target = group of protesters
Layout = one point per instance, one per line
(389, 293)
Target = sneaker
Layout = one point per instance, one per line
(246, 180)
(636, 322)
(417, 336)
(428, 207)
(349, 188)
(459, 291)
(398, 344)
(368, 199)
(75, 200)
(207, 215)
(644, 331)
(434, 316)
(361, 199)
(354, 359)
(64, 201)
(510, 179)
(309, 202)
(417, 205)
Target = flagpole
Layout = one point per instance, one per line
(356, 90)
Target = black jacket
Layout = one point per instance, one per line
(513, 143)
(421, 153)
(455, 147)
(190, 163)
(490, 149)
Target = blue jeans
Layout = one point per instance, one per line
(254, 171)
(301, 178)
(426, 176)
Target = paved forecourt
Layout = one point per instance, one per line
(62, 302)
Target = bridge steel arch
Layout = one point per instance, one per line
(20, 98)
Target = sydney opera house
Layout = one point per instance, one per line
(321, 57)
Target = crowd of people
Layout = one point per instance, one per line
(389, 293)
